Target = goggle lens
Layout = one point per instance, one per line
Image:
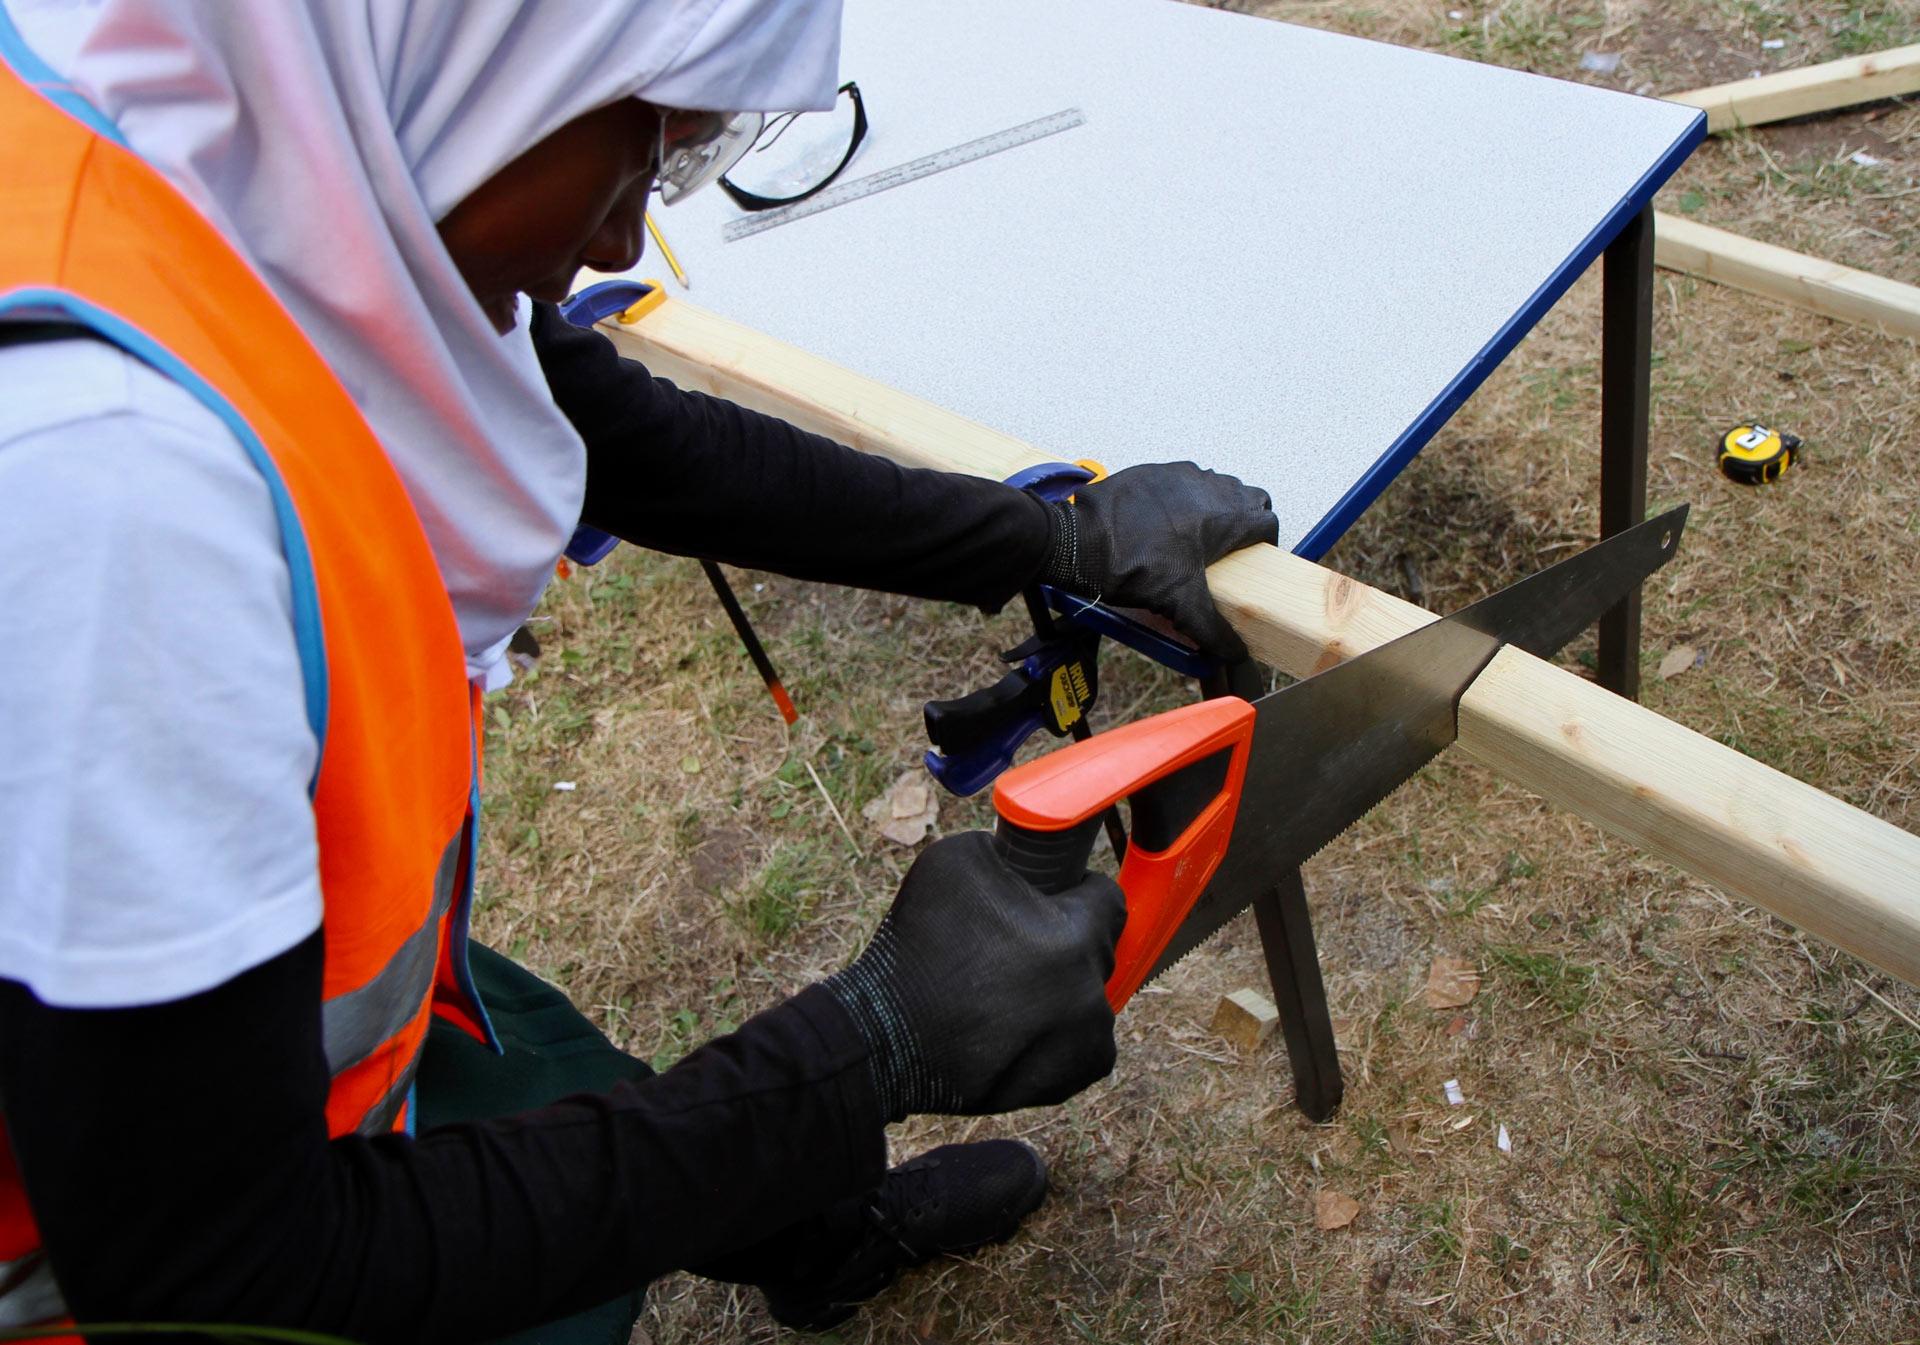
(698, 147)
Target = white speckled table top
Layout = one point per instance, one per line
(1282, 252)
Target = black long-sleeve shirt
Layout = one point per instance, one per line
(176, 1155)
(694, 475)
(176, 1158)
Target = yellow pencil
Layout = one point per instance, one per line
(667, 252)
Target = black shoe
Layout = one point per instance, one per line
(950, 1200)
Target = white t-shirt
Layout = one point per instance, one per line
(156, 833)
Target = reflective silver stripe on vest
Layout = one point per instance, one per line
(28, 1295)
(381, 1115)
(354, 1025)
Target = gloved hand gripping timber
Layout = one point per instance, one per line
(1228, 795)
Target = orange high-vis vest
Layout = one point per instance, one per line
(94, 237)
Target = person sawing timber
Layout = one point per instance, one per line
(291, 437)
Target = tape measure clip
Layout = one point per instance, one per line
(1754, 454)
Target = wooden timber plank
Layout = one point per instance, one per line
(1814, 88)
(1765, 837)
(1760, 836)
(709, 353)
(1822, 287)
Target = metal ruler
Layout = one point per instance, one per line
(927, 166)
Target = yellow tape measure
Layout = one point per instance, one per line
(1754, 454)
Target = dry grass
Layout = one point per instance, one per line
(1715, 1123)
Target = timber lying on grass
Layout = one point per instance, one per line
(1813, 88)
(1822, 287)
(1757, 834)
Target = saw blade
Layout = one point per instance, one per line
(1326, 750)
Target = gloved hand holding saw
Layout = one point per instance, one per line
(978, 994)
(1144, 537)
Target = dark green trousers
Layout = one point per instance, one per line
(552, 1051)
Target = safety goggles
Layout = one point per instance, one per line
(697, 147)
(776, 178)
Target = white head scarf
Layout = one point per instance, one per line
(325, 138)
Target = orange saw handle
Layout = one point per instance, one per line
(1181, 773)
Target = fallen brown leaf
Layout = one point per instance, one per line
(910, 798)
(1677, 660)
(1452, 982)
(1332, 1210)
(906, 812)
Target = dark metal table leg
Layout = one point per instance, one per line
(1626, 355)
(1293, 962)
(1293, 965)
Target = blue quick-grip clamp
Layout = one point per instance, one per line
(598, 302)
(1056, 675)
(1052, 685)
(1123, 629)
(1056, 482)
(590, 546)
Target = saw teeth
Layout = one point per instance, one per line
(1161, 968)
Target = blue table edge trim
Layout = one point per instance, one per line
(1320, 539)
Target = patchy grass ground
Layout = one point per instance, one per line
(1714, 1121)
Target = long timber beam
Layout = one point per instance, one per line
(1758, 835)
(1822, 287)
(1813, 88)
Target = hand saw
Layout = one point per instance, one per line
(1227, 796)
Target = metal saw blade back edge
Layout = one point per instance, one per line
(1406, 693)
(1309, 755)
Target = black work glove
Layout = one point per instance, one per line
(979, 994)
(1144, 537)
